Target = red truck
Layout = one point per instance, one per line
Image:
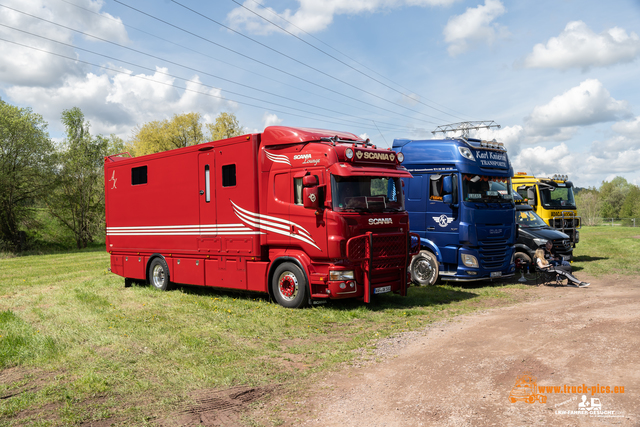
(303, 214)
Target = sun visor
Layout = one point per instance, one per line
(347, 169)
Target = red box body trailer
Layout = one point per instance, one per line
(304, 214)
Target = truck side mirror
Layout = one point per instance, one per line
(448, 199)
(310, 181)
(531, 195)
(310, 197)
(447, 185)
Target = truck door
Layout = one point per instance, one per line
(416, 202)
(278, 207)
(308, 230)
(207, 188)
(442, 221)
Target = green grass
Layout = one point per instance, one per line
(78, 346)
(608, 250)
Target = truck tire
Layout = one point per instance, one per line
(424, 269)
(289, 286)
(159, 274)
(524, 258)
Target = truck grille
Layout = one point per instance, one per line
(386, 251)
(566, 223)
(493, 254)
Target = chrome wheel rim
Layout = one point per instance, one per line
(288, 286)
(158, 276)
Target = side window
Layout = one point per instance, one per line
(297, 191)
(139, 175)
(229, 175)
(435, 187)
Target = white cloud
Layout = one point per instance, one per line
(578, 46)
(364, 136)
(474, 27)
(313, 15)
(615, 157)
(630, 129)
(583, 105)
(115, 104)
(510, 136)
(545, 161)
(271, 120)
(24, 66)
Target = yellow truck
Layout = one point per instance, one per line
(552, 199)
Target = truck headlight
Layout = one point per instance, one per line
(577, 236)
(469, 260)
(540, 242)
(341, 275)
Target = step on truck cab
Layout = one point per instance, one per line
(460, 204)
(553, 200)
(306, 215)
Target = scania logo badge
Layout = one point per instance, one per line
(359, 154)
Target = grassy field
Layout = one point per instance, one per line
(76, 346)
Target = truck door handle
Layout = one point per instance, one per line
(430, 228)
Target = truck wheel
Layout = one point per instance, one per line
(424, 269)
(522, 259)
(159, 274)
(289, 286)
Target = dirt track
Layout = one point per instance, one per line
(461, 373)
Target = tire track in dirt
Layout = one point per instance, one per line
(461, 373)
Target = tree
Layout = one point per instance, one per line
(182, 130)
(78, 201)
(226, 126)
(588, 204)
(631, 205)
(612, 196)
(26, 165)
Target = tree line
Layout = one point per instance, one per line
(616, 199)
(52, 194)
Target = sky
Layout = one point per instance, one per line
(561, 78)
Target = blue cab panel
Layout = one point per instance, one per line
(460, 202)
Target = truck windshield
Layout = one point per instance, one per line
(366, 194)
(555, 197)
(529, 219)
(490, 189)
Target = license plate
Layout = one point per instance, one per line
(496, 273)
(382, 290)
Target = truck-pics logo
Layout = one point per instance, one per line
(526, 389)
(442, 220)
(380, 221)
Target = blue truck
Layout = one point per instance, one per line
(460, 202)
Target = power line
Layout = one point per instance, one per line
(273, 67)
(333, 57)
(171, 84)
(208, 56)
(189, 68)
(307, 65)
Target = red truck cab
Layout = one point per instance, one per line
(304, 214)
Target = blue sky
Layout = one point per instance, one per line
(560, 77)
